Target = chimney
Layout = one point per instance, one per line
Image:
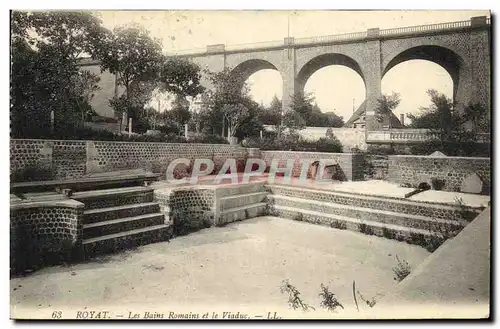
(402, 119)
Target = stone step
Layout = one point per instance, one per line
(240, 189)
(240, 200)
(241, 213)
(398, 205)
(424, 238)
(375, 215)
(113, 226)
(129, 210)
(126, 240)
(114, 197)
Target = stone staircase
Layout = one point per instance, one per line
(120, 218)
(411, 221)
(241, 202)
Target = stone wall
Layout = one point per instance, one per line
(351, 164)
(413, 170)
(349, 137)
(187, 203)
(44, 232)
(74, 159)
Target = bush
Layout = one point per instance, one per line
(30, 174)
(401, 270)
(331, 144)
(209, 139)
(293, 142)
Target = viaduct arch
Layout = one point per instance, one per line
(462, 48)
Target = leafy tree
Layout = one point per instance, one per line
(272, 114)
(44, 51)
(334, 120)
(180, 77)
(133, 56)
(86, 84)
(180, 113)
(450, 128)
(385, 105)
(74, 33)
(230, 105)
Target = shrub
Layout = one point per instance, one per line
(437, 184)
(209, 139)
(293, 142)
(329, 301)
(294, 300)
(30, 174)
(401, 270)
(332, 145)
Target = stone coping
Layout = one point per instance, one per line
(69, 203)
(438, 157)
(101, 141)
(311, 152)
(375, 197)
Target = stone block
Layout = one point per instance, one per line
(438, 154)
(472, 184)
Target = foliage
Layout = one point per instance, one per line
(272, 114)
(294, 299)
(132, 55)
(329, 301)
(230, 106)
(85, 85)
(331, 145)
(401, 270)
(294, 142)
(385, 105)
(453, 132)
(30, 174)
(180, 77)
(44, 51)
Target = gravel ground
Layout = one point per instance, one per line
(237, 267)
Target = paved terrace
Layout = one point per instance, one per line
(238, 267)
(371, 187)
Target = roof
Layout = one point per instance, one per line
(395, 123)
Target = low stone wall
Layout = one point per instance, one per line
(413, 170)
(74, 159)
(188, 208)
(44, 232)
(351, 164)
(349, 137)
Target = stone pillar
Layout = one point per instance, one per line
(480, 61)
(373, 78)
(288, 74)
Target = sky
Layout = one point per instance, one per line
(336, 88)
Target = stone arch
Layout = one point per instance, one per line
(251, 66)
(442, 56)
(318, 62)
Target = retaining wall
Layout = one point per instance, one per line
(413, 170)
(74, 159)
(40, 230)
(351, 164)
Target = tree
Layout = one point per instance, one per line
(271, 115)
(180, 113)
(74, 33)
(86, 84)
(180, 77)
(449, 127)
(229, 102)
(44, 52)
(385, 105)
(133, 56)
(334, 120)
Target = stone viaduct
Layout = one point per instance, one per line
(462, 48)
